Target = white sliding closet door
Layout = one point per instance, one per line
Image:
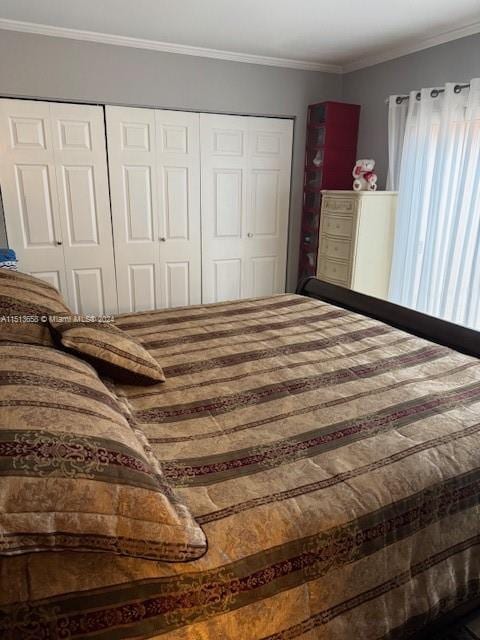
(84, 206)
(53, 174)
(155, 190)
(246, 165)
(178, 180)
(29, 190)
(132, 165)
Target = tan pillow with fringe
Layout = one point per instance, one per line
(111, 351)
(25, 304)
(75, 472)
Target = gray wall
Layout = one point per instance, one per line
(454, 61)
(55, 68)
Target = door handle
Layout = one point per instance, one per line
(59, 242)
(250, 235)
(162, 239)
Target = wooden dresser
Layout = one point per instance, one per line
(356, 239)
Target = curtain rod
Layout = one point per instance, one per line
(434, 93)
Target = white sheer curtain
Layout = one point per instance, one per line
(436, 262)
(397, 118)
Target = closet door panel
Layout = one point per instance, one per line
(33, 183)
(269, 169)
(84, 206)
(265, 216)
(141, 291)
(138, 194)
(227, 279)
(29, 189)
(175, 183)
(246, 165)
(89, 294)
(228, 187)
(51, 277)
(178, 180)
(133, 182)
(224, 169)
(264, 276)
(177, 284)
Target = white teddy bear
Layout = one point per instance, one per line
(365, 177)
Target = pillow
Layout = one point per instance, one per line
(109, 349)
(75, 474)
(25, 303)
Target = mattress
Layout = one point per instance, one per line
(332, 462)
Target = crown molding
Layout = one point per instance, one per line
(427, 43)
(165, 47)
(233, 56)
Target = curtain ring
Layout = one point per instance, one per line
(434, 93)
(457, 88)
(418, 96)
(398, 100)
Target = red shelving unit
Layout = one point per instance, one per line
(332, 130)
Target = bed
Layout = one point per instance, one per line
(330, 459)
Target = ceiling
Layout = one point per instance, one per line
(338, 35)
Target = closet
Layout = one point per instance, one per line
(54, 181)
(155, 209)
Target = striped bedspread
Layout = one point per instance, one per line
(332, 461)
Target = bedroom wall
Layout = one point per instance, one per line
(454, 61)
(55, 68)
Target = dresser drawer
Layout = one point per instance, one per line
(335, 247)
(333, 270)
(339, 205)
(337, 225)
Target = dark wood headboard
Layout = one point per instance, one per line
(440, 331)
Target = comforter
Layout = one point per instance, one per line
(332, 462)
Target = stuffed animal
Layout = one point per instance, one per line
(365, 177)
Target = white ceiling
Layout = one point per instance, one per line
(334, 35)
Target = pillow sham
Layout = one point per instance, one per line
(75, 473)
(112, 352)
(25, 303)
